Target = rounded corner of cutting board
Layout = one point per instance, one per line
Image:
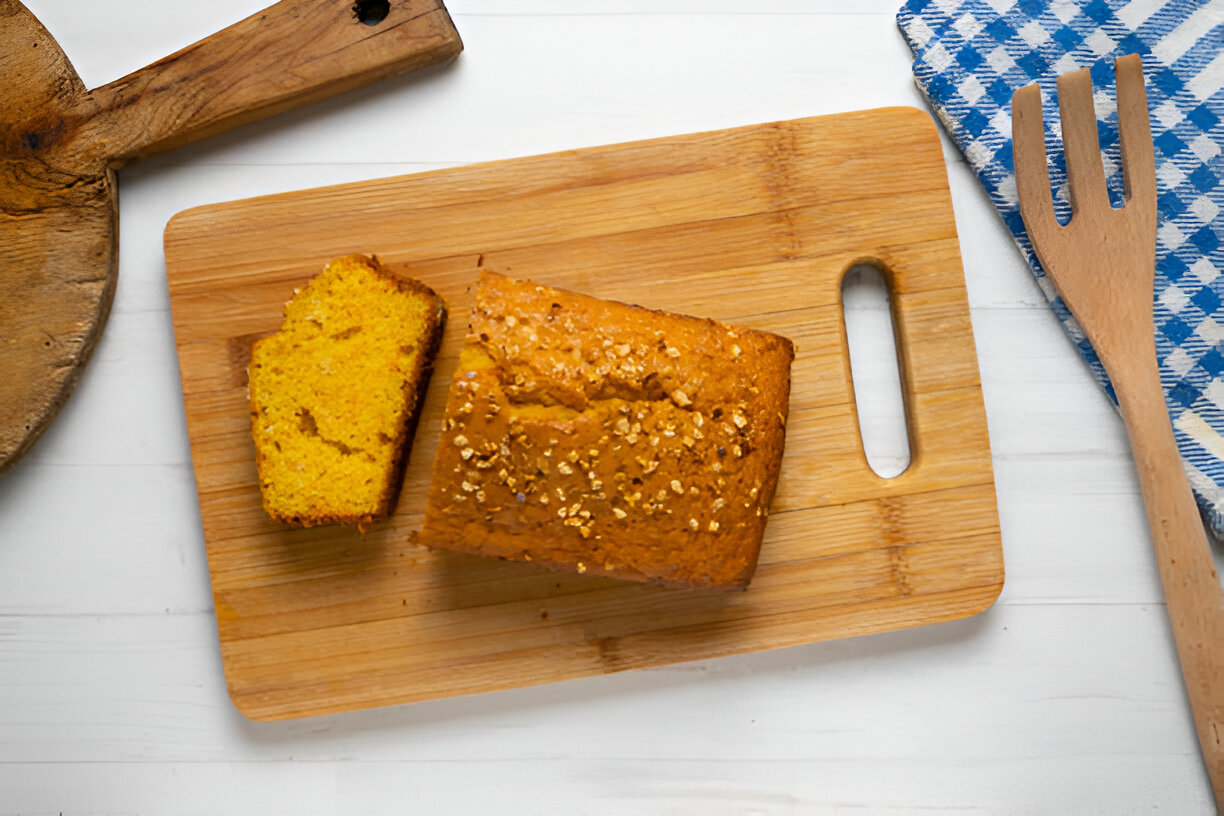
(184, 222)
(990, 597)
(989, 593)
(245, 704)
(919, 120)
(247, 709)
(920, 117)
(910, 116)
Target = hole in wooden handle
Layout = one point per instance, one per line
(875, 372)
(371, 12)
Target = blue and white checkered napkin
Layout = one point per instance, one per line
(970, 55)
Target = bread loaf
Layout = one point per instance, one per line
(597, 437)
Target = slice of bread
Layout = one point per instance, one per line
(335, 394)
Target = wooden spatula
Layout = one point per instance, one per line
(1103, 264)
(60, 145)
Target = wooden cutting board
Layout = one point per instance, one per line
(755, 226)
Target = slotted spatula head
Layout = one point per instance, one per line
(1103, 261)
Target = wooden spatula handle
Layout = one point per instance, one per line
(1187, 571)
(293, 52)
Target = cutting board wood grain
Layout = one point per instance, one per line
(756, 226)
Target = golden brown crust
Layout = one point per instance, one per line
(598, 437)
(416, 381)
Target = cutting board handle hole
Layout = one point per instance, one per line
(371, 12)
(875, 371)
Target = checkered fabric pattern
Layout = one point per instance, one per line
(970, 55)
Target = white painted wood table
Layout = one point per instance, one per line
(1063, 698)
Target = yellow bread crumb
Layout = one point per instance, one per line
(336, 392)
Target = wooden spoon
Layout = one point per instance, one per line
(1103, 263)
(60, 145)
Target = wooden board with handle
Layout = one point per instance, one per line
(756, 226)
(62, 144)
